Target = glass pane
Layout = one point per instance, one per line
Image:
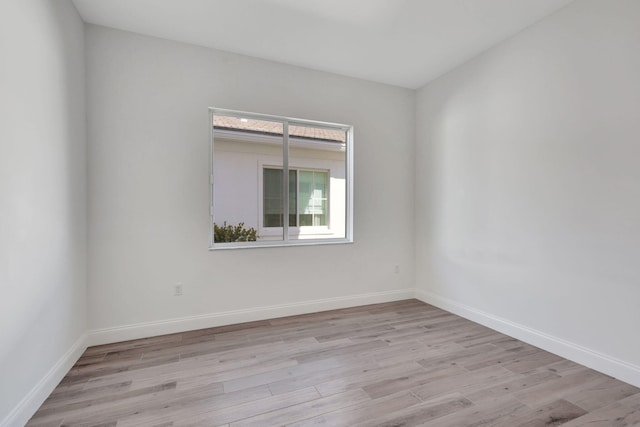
(320, 184)
(272, 191)
(313, 200)
(293, 197)
(321, 218)
(273, 206)
(248, 187)
(305, 192)
(319, 154)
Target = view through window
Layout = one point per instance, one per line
(251, 155)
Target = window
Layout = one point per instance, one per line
(251, 155)
(312, 196)
(307, 198)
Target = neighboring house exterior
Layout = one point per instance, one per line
(248, 178)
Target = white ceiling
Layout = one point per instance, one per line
(400, 42)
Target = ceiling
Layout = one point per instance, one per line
(400, 42)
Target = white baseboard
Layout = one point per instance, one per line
(606, 364)
(609, 365)
(190, 323)
(39, 393)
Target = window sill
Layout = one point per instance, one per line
(278, 244)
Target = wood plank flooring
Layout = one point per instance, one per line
(397, 364)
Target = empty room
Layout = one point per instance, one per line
(302, 213)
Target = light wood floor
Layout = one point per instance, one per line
(397, 364)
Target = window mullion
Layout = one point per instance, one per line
(285, 181)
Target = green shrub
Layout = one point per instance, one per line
(233, 233)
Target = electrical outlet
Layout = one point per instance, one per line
(177, 291)
(396, 269)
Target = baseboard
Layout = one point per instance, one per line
(150, 329)
(609, 365)
(606, 364)
(39, 393)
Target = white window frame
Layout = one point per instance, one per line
(286, 121)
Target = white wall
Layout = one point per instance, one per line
(148, 185)
(42, 201)
(528, 185)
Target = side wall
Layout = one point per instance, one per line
(528, 195)
(42, 201)
(149, 193)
